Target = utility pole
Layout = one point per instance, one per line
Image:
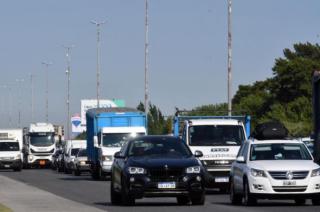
(98, 25)
(32, 97)
(19, 81)
(146, 61)
(229, 58)
(68, 72)
(47, 64)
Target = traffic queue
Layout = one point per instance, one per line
(204, 153)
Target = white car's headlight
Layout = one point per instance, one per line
(136, 170)
(193, 169)
(82, 163)
(107, 158)
(315, 172)
(258, 173)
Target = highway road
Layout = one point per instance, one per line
(96, 193)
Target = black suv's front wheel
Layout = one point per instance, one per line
(234, 198)
(248, 198)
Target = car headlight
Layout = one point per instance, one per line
(136, 170)
(193, 169)
(258, 173)
(315, 172)
(107, 158)
(82, 163)
(30, 157)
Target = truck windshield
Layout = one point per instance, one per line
(216, 135)
(41, 139)
(279, 152)
(117, 139)
(9, 146)
(74, 151)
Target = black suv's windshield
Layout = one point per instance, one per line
(41, 139)
(159, 146)
(117, 139)
(9, 146)
(216, 135)
(279, 151)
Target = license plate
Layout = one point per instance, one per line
(167, 185)
(6, 166)
(42, 162)
(289, 183)
(221, 179)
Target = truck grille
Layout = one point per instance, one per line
(162, 174)
(289, 188)
(282, 175)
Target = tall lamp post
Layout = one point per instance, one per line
(68, 72)
(9, 101)
(146, 61)
(47, 64)
(32, 97)
(98, 25)
(229, 58)
(19, 81)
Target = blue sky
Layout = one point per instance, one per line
(188, 49)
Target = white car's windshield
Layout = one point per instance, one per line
(279, 151)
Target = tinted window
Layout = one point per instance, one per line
(41, 139)
(279, 152)
(213, 135)
(74, 152)
(82, 153)
(9, 146)
(158, 146)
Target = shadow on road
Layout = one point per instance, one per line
(265, 204)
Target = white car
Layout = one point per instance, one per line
(274, 169)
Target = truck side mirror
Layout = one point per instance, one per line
(95, 141)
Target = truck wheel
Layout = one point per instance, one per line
(248, 199)
(315, 201)
(300, 201)
(77, 172)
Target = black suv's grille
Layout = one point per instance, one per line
(163, 174)
(282, 175)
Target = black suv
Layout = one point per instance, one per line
(157, 166)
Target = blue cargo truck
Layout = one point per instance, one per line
(219, 139)
(107, 130)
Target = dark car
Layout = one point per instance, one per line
(157, 166)
(55, 156)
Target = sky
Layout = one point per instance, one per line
(187, 59)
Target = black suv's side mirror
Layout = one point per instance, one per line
(198, 154)
(118, 155)
(240, 159)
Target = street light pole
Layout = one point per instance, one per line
(68, 72)
(46, 64)
(146, 61)
(32, 97)
(229, 58)
(98, 24)
(19, 81)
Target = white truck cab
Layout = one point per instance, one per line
(110, 141)
(40, 144)
(219, 140)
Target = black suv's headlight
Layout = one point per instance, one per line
(193, 169)
(136, 170)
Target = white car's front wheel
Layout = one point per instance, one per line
(248, 198)
(234, 198)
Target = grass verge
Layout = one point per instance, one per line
(4, 208)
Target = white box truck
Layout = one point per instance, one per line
(11, 149)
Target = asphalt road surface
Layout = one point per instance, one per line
(96, 193)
